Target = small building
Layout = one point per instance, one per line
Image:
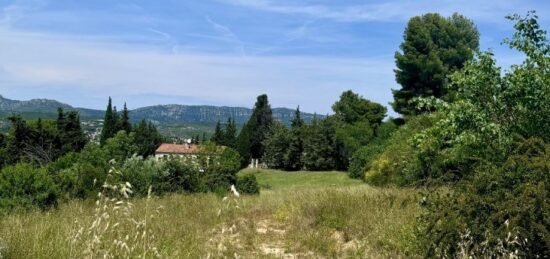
(186, 151)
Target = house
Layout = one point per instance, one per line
(200, 156)
(186, 151)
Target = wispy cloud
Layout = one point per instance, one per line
(227, 34)
(386, 10)
(38, 62)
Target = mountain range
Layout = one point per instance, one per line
(164, 116)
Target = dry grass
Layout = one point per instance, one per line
(354, 221)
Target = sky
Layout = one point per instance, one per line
(222, 52)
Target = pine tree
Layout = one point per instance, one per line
(293, 157)
(109, 124)
(124, 123)
(60, 122)
(242, 145)
(218, 136)
(146, 138)
(72, 136)
(116, 121)
(230, 133)
(433, 48)
(319, 146)
(276, 145)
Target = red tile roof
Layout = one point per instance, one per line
(178, 149)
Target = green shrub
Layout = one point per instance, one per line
(145, 172)
(85, 174)
(361, 159)
(500, 200)
(398, 163)
(181, 177)
(220, 177)
(248, 184)
(24, 186)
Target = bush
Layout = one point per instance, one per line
(84, 178)
(181, 177)
(144, 172)
(361, 159)
(500, 200)
(220, 177)
(24, 186)
(398, 163)
(248, 184)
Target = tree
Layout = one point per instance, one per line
(351, 108)
(432, 49)
(146, 138)
(355, 122)
(243, 145)
(71, 135)
(219, 135)
(293, 156)
(230, 133)
(60, 122)
(276, 145)
(319, 146)
(109, 124)
(253, 134)
(124, 121)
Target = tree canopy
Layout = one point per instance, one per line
(432, 49)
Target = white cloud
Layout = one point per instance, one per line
(34, 62)
(487, 11)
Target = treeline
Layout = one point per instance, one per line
(45, 162)
(327, 143)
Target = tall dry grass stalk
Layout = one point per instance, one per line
(115, 232)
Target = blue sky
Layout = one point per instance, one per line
(221, 52)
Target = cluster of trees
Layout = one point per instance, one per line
(144, 136)
(326, 143)
(472, 127)
(41, 141)
(225, 137)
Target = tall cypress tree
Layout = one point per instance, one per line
(60, 122)
(109, 124)
(230, 133)
(124, 123)
(218, 136)
(293, 157)
(249, 141)
(116, 121)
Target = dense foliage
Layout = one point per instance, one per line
(432, 49)
(24, 186)
(248, 184)
(41, 141)
(250, 140)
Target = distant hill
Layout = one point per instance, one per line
(189, 118)
(174, 113)
(44, 108)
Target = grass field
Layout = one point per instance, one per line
(302, 215)
(283, 181)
